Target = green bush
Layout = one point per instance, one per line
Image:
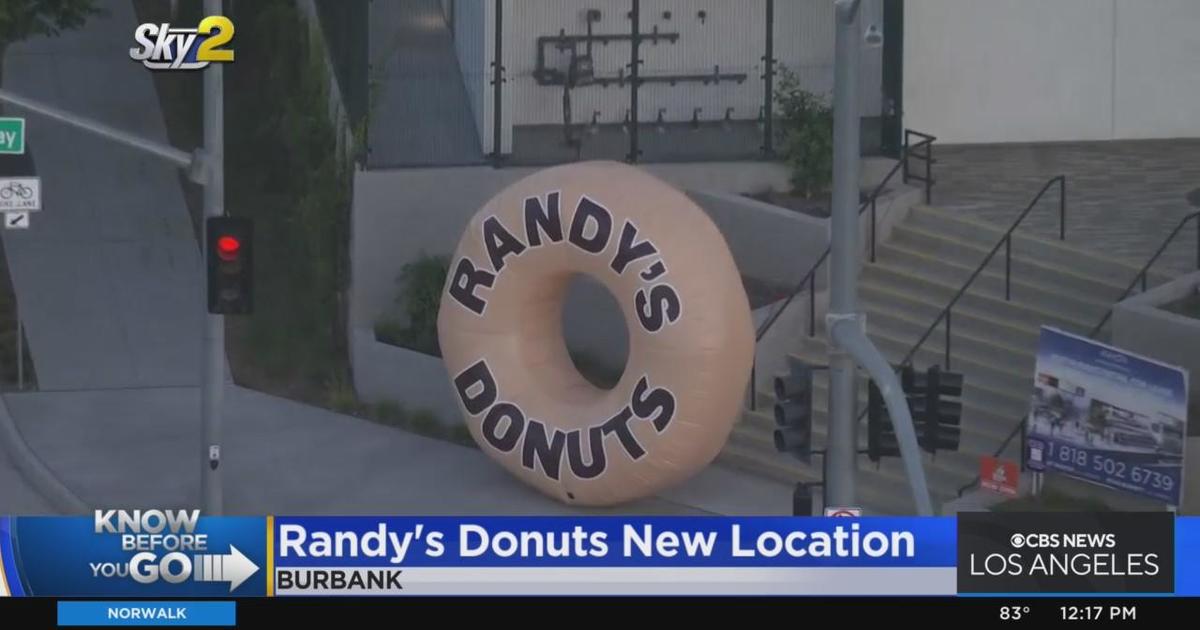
(341, 396)
(389, 412)
(1051, 500)
(806, 135)
(284, 171)
(421, 283)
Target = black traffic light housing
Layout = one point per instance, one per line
(793, 410)
(229, 258)
(881, 435)
(939, 419)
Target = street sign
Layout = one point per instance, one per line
(20, 194)
(999, 475)
(850, 512)
(16, 221)
(12, 136)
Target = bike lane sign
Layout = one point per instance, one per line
(20, 194)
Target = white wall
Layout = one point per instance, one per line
(1157, 91)
(1019, 71)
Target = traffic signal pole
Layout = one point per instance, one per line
(212, 379)
(846, 326)
(205, 167)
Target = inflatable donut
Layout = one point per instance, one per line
(691, 339)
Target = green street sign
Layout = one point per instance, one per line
(12, 135)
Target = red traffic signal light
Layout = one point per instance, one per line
(228, 247)
(228, 258)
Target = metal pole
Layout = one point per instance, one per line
(634, 62)
(843, 270)
(769, 82)
(212, 378)
(497, 81)
(20, 349)
(1007, 267)
(179, 158)
(947, 339)
(872, 229)
(1062, 208)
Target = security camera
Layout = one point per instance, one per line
(873, 36)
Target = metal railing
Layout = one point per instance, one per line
(1140, 278)
(1005, 242)
(914, 150)
(809, 279)
(1145, 270)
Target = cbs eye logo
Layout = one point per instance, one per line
(162, 47)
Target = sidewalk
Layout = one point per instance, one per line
(108, 276)
(140, 448)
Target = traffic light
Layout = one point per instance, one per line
(939, 419)
(881, 435)
(936, 420)
(793, 410)
(229, 256)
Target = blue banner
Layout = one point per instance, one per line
(1107, 416)
(177, 555)
(1187, 556)
(160, 554)
(613, 542)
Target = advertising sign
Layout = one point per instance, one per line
(1107, 416)
(1001, 476)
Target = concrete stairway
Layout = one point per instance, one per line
(927, 259)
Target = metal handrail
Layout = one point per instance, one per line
(927, 143)
(1141, 275)
(1006, 242)
(812, 272)
(809, 278)
(1019, 427)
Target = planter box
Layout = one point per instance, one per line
(1141, 325)
(383, 372)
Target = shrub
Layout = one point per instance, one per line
(389, 412)
(421, 283)
(341, 396)
(806, 130)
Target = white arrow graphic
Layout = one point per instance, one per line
(233, 567)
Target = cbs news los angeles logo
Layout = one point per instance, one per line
(163, 47)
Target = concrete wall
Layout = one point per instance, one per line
(337, 109)
(1017, 71)
(384, 372)
(399, 215)
(1139, 326)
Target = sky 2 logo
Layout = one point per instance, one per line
(161, 47)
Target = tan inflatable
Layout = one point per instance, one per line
(691, 340)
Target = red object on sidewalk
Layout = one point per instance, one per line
(999, 475)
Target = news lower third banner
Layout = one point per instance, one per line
(179, 554)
